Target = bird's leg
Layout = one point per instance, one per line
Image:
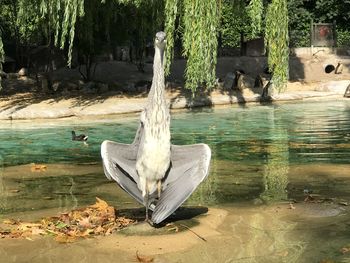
(159, 187)
(146, 201)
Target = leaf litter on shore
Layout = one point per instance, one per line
(97, 219)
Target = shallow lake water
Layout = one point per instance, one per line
(266, 159)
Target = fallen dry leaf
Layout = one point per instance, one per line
(98, 230)
(38, 231)
(84, 222)
(10, 221)
(87, 232)
(291, 206)
(96, 219)
(61, 238)
(144, 259)
(27, 226)
(345, 250)
(38, 167)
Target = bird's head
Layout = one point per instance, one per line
(160, 40)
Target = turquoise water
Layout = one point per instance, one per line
(308, 133)
(267, 152)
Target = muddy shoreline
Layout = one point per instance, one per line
(27, 106)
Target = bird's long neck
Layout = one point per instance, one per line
(157, 90)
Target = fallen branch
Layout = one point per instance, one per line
(193, 232)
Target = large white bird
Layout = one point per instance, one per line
(152, 170)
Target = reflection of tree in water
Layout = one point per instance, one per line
(68, 199)
(58, 187)
(3, 195)
(277, 162)
(205, 193)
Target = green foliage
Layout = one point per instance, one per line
(276, 39)
(2, 56)
(343, 38)
(170, 19)
(136, 3)
(60, 17)
(330, 10)
(200, 22)
(136, 21)
(27, 20)
(255, 12)
(73, 8)
(37, 20)
(20, 21)
(299, 23)
(234, 19)
(301, 13)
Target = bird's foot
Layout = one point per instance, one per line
(149, 221)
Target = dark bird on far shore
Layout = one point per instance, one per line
(81, 137)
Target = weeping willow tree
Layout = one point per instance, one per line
(171, 11)
(195, 22)
(276, 40)
(255, 12)
(200, 42)
(199, 26)
(62, 16)
(2, 56)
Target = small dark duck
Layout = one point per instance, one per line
(81, 137)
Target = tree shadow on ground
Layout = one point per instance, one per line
(185, 98)
(20, 101)
(17, 94)
(204, 97)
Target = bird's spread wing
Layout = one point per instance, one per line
(189, 167)
(138, 136)
(119, 163)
